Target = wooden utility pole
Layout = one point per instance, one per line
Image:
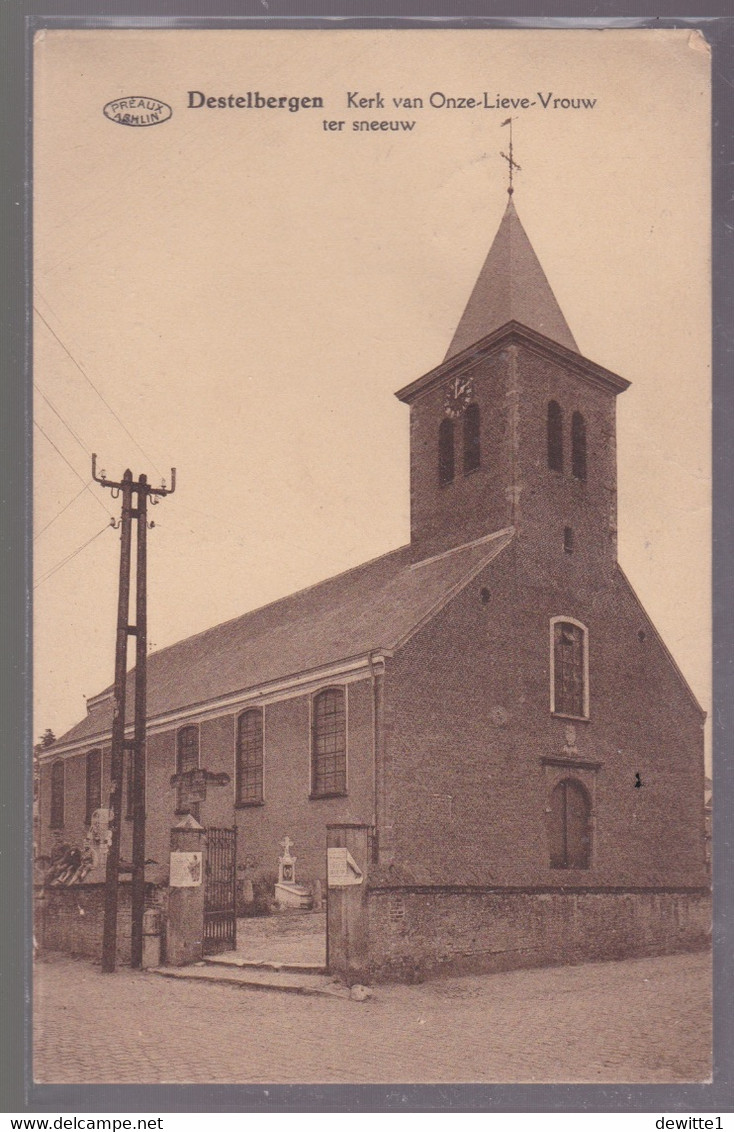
(139, 757)
(141, 490)
(109, 938)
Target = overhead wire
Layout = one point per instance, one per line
(223, 148)
(69, 557)
(60, 513)
(87, 487)
(84, 447)
(102, 398)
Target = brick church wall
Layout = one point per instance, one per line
(287, 809)
(549, 500)
(513, 486)
(160, 805)
(473, 505)
(468, 724)
(75, 801)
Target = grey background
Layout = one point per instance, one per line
(19, 20)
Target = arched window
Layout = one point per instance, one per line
(569, 668)
(555, 436)
(250, 758)
(446, 452)
(187, 758)
(329, 743)
(472, 449)
(569, 826)
(578, 446)
(57, 795)
(94, 783)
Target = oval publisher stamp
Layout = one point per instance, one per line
(137, 110)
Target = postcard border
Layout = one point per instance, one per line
(15, 467)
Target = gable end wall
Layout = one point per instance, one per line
(468, 723)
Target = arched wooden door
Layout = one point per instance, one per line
(570, 826)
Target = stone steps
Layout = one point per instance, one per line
(233, 959)
(258, 977)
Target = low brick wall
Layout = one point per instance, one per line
(421, 931)
(71, 919)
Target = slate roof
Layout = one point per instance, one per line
(373, 606)
(511, 287)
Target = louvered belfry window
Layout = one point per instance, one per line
(329, 743)
(250, 757)
(472, 448)
(568, 669)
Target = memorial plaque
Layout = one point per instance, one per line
(342, 869)
(186, 870)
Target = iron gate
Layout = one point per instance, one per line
(220, 920)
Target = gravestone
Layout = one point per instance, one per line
(97, 845)
(288, 894)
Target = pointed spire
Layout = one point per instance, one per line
(511, 286)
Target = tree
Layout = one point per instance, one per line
(47, 739)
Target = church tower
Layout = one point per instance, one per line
(515, 428)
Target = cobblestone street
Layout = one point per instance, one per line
(287, 937)
(636, 1021)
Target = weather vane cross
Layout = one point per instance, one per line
(511, 163)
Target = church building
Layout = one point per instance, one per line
(491, 699)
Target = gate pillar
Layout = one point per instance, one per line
(185, 935)
(347, 925)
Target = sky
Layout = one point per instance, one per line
(239, 292)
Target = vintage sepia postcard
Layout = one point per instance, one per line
(372, 527)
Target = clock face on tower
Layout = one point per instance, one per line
(458, 395)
